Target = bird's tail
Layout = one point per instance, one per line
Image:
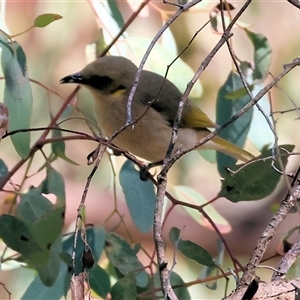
(231, 149)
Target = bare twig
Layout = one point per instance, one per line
(162, 178)
(82, 202)
(77, 286)
(267, 235)
(39, 142)
(287, 68)
(289, 258)
(286, 262)
(159, 242)
(295, 3)
(147, 53)
(126, 25)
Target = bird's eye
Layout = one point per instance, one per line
(100, 82)
(105, 84)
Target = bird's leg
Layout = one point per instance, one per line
(144, 171)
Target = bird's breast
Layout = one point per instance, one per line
(150, 135)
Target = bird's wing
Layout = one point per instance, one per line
(165, 97)
(194, 117)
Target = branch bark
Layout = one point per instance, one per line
(275, 290)
(267, 235)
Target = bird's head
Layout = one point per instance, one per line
(107, 74)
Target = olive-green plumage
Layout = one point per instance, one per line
(110, 80)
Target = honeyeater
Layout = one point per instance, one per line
(155, 105)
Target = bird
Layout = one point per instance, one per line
(154, 107)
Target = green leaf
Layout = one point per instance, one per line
(33, 206)
(186, 194)
(239, 93)
(99, 281)
(181, 292)
(16, 234)
(124, 289)
(17, 93)
(213, 18)
(58, 148)
(262, 54)
(3, 169)
(38, 291)
(213, 271)
(35, 232)
(123, 257)
(255, 180)
(54, 184)
(45, 19)
(139, 196)
(95, 239)
(49, 270)
(116, 14)
(39, 246)
(190, 249)
(237, 131)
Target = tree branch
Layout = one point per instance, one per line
(267, 235)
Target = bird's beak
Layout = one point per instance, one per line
(74, 78)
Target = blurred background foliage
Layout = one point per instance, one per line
(61, 48)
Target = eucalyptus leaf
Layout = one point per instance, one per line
(124, 258)
(39, 246)
(54, 184)
(262, 54)
(33, 206)
(17, 93)
(177, 283)
(116, 14)
(99, 281)
(213, 271)
(225, 109)
(95, 240)
(124, 288)
(38, 291)
(190, 249)
(45, 19)
(58, 148)
(139, 196)
(256, 180)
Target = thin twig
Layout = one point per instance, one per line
(162, 178)
(287, 68)
(296, 3)
(126, 25)
(147, 53)
(39, 143)
(266, 237)
(290, 257)
(82, 202)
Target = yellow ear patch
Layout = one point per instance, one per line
(118, 93)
